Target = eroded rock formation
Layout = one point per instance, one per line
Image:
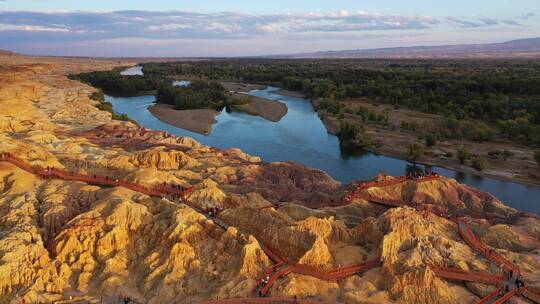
(62, 238)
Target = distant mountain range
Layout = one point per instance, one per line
(522, 48)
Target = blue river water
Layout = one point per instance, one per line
(301, 136)
(136, 70)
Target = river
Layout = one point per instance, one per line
(301, 136)
(136, 70)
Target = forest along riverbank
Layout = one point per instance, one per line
(393, 138)
(201, 120)
(300, 136)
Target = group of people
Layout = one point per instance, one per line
(49, 172)
(174, 186)
(176, 189)
(518, 284)
(214, 211)
(262, 284)
(108, 178)
(420, 174)
(516, 277)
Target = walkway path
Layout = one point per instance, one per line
(164, 190)
(510, 283)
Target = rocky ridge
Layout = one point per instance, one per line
(60, 238)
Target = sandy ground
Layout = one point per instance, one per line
(66, 65)
(199, 121)
(290, 93)
(271, 110)
(395, 141)
(241, 87)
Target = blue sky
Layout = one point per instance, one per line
(236, 28)
(431, 7)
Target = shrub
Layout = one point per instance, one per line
(478, 163)
(414, 152)
(463, 155)
(431, 140)
(507, 154)
(108, 107)
(494, 153)
(98, 96)
(349, 131)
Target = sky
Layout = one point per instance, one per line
(202, 28)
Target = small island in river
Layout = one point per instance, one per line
(196, 120)
(200, 120)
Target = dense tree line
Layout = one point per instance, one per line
(115, 84)
(503, 94)
(198, 94)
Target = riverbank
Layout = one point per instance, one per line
(391, 140)
(240, 87)
(268, 109)
(289, 93)
(198, 120)
(201, 120)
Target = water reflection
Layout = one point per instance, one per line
(301, 136)
(414, 168)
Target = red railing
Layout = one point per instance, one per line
(383, 201)
(335, 274)
(270, 300)
(158, 190)
(490, 297)
(267, 273)
(506, 297)
(469, 237)
(531, 294)
(472, 276)
(277, 275)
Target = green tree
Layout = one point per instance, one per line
(98, 96)
(452, 123)
(507, 154)
(165, 94)
(537, 157)
(463, 155)
(349, 131)
(414, 152)
(478, 163)
(431, 140)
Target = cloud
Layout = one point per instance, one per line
(22, 30)
(510, 22)
(489, 21)
(528, 16)
(178, 24)
(477, 23)
(211, 25)
(31, 28)
(463, 23)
